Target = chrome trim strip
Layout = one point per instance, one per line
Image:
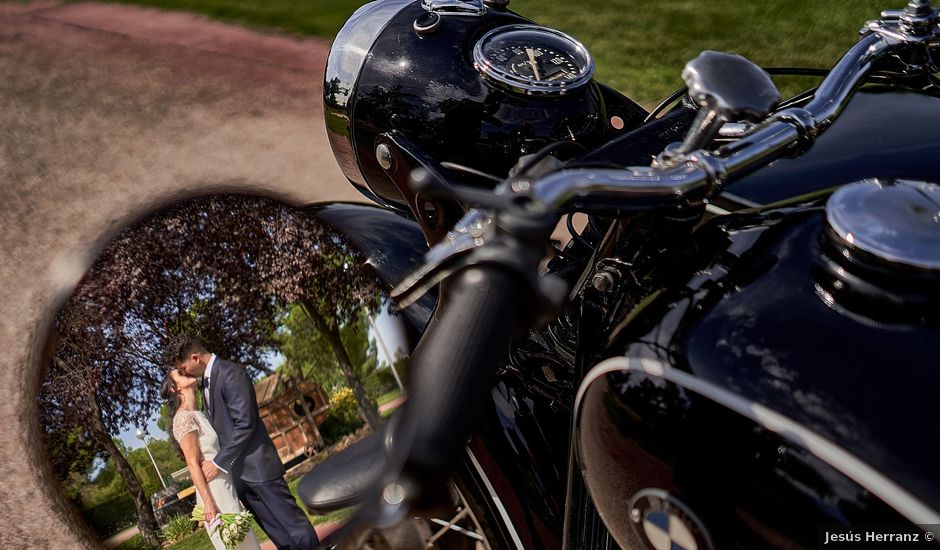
(740, 200)
(851, 466)
(496, 500)
(471, 8)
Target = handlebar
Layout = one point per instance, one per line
(453, 365)
(892, 43)
(643, 188)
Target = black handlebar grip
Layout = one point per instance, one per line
(453, 366)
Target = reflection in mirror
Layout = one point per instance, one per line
(265, 285)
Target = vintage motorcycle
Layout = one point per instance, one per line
(737, 350)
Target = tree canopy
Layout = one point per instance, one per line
(307, 353)
(223, 267)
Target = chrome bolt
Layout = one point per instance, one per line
(520, 186)
(383, 154)
(635, 515)
(919, 7)
(603, 281)
(393, 494)
(918, 18)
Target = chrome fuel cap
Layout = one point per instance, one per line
(894, 221)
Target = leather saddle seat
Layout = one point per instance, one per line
(342, 480)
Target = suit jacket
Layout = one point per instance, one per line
(246, 450)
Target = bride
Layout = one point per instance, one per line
(199, 442)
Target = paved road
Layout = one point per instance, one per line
(106, 112)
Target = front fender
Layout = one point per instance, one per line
(393, 245)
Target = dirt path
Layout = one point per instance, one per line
(393, 404)
(105, 112)
(121, 538)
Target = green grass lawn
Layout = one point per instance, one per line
(640, 45)
(134, 543)
(199, 540)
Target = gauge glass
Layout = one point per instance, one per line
(533, 59)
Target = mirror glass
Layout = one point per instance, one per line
(265, 285)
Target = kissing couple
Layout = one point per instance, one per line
(229, 453)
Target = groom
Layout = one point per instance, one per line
(245, 449)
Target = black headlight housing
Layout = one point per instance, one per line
(383, 75)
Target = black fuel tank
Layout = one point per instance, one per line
(884, 132)
(750, 409)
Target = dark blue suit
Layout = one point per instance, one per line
(246, 451)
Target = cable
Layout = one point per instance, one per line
(472, 171)
(545, 151)
(569, 223)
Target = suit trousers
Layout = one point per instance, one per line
(276, 511)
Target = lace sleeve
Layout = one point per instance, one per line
(183, 423)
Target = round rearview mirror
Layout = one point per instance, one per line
(289, 296)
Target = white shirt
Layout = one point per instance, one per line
(206, 382)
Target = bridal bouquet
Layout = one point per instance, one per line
(232, 528)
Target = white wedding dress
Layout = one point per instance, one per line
(222, 488)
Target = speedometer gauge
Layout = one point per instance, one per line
(533, 60)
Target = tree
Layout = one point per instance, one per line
(72, 450)
(80, 392)
(222, 267)
(257, 256)
(306, 349)
(166, 457)
(72, 454)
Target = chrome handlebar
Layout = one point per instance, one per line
(703, 172)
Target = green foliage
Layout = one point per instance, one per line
(72, 451)
(385, 381)
(112, 515)
(104, 500)
(198, 541)
(343, 417)
(168, 460)
(640, 46)
(380, 382)
(306, 349)
(165, 417)
(177, 529)
(388, 397)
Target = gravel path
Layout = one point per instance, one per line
(107, 112)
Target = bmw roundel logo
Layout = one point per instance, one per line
(663, 522)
